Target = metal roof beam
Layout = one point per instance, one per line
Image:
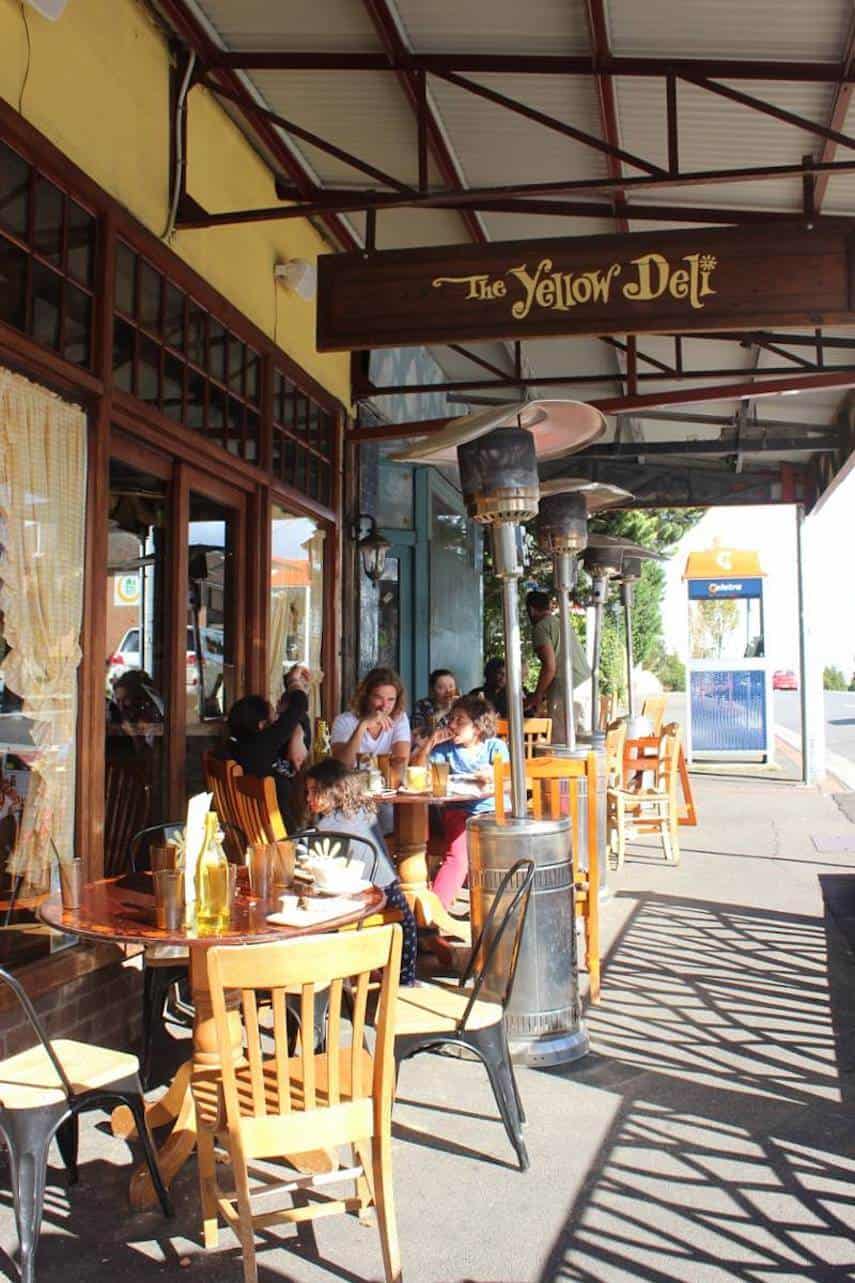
(838, 113)
(592, 377)
(472, 197)
(828, 443)
(400, 58)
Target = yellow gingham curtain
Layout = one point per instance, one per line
(42, 510)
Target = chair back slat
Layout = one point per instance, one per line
(253, 1050)
(280, 1050)
(307, 1042)
(360, 1003)
(334, 1042)
(310, 1081)
(258, 807)
(493, 961)
(668, 759)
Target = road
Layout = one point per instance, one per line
(839, 719)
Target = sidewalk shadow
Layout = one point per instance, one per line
(731, 1153)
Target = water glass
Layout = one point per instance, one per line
(71, 880)
(260, 859)
(439, 773)
(169, 898)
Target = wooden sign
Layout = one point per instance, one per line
(662, 282)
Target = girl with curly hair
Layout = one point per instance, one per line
(335, 797)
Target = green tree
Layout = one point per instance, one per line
(658, 529)
(833, 679)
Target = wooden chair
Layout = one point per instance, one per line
(221, 776)
(439, 1014)
(544, 776)
(127, 790)
(606, 711)
(536, 730)
(648, 809)
(266, 1107)
(615, 744)
(42, 1093)
(258, 809)
(653, 709)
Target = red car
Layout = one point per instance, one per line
(784, 680)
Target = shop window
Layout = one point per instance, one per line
(47, 260)
(183, 360)
(303, 441)
(296, 602)
(42, 520)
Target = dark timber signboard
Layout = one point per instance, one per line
(719, 278)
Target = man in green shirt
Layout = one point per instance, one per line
(546, 640)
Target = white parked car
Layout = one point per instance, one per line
(127, 656)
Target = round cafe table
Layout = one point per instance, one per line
(121, 910)
(410, 840)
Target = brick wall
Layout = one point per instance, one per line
(102, 1006)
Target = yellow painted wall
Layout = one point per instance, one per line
(98, 88)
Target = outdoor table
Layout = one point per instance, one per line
(121, 910)
(410, 838)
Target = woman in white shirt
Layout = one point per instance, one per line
(377, 724)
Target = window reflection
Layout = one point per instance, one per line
(296, 602)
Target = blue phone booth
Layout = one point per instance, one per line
(728, 678)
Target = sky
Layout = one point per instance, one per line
(771, 531)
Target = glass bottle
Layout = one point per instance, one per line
(212, 879)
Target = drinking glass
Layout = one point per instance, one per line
(169, 898)
(71, 881)
(439, 773)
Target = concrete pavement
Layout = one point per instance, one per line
(709, 1137)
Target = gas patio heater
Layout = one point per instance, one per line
(497, 451)
(608, 557)
(566, 503)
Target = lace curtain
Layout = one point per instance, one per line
(42, 509)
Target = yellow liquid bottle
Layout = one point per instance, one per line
(212, 880)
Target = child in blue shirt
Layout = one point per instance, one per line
(469, 745)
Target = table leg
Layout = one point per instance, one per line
(411, 840)
(161, 1111)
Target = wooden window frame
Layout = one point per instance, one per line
(112, 410)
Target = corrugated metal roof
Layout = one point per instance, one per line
(502, 26)
(294, 24)
(774, 29)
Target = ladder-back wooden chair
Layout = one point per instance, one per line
(264, 1107)
(536, 730)
(648, 809)
(221, 776)
(653, 709)
(127, 792)
(544, 779)
(258, 809)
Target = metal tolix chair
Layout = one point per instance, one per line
(42, 1093)
(471, 1013)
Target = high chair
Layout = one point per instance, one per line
(264, 1106)
(544, 776)
(630, 811)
